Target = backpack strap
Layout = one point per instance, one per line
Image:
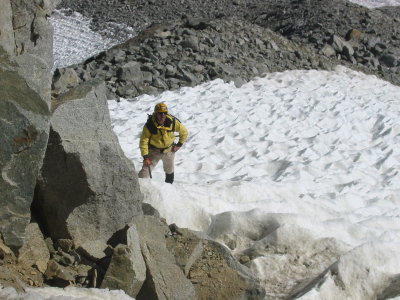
(150, 125)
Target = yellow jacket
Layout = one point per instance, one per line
(161, 136)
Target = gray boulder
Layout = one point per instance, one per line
(88, 189)
(25, 63)
(34, 252)
(328, 50)
(64, 79)
(341, 46)
(165, 280)
(127, 270)
(130, 72)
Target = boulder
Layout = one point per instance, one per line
(328, 50)
(389, 60)
(127, 270)
(63, 80)
(130, 72)
(88, 189)
(165, 280)
(342, 46)
(34, 252)
(26, 60)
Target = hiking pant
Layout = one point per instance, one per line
(155, 155)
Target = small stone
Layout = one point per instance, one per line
(244, 259)
(41, 266)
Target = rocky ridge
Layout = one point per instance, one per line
(366, 38)
(190, 52)
(236, 41)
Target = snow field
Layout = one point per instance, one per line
(298, 170)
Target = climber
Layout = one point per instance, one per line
(157, 141)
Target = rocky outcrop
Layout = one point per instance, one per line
(211, 268)
(367, 39)
(187, 53)
(307, 23)
(88, 190)
(25, 81)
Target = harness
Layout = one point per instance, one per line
(170, 120)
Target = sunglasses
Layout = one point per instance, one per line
(162, 113)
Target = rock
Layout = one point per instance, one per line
(348, 51)
(127, 91)
(165, 280)
(188, 76)
(198, 69)
(190, 42)
(25, 63)
(64, 79)
(57, 272)
(130, 72)
(342, 47)
(127, 270)
(210, 266)
(65, 245)
(66, 260)
(41, 266)
(197, 23)
(354, 35)
(149, 210)
(98, 192)
(389, 60)
(4, 250)
(163, 34)
(170, 71)
(328, 50)
(337, 43)
(34, 249)
(116, 56)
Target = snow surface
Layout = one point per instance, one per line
(297, 170)
(377, 3)
(74, 41)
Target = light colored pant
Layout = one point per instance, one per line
(155, 155)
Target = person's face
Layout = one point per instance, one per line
(160, 117)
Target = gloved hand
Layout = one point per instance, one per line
(175, 148)
(147, 162)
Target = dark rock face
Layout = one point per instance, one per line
(88, 189)
(25, 63)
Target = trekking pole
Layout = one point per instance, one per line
(150, 172)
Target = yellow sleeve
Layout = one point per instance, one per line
(183, 132)
(144, 141)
